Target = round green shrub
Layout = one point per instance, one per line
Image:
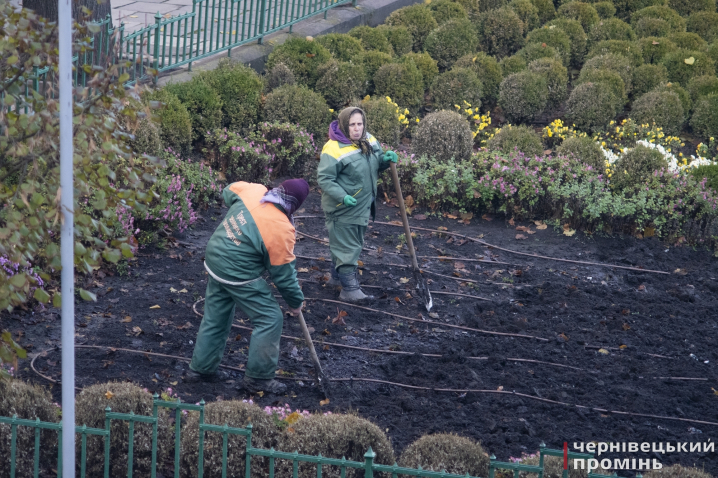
(175, 122)
(373, 39)
(688, 41)
(630, 50)
(624, 8)
(399, 37)
(535, 51)
(512, 137)
(450, 41)
(709, 173)
(402, 82)
(584, 149)
(556, 79)
(445, 10)
(342, 46)
(28, 402)
(301, 106)
(611, 29)
(523, 96)
(501, 32)
(487, 5)
(675, 21)
(712, 52)
(605, 10)
(341, 82)
(428, 67)
(454, 87)
(546, 10)
(687, 7)
(382, 120)
(591, 106)
(527, 12)
(654, 49)
(608, 77)
(681, 72)
(443, 135)
(705, 24)
(444, 451)
(648, 77)
(372, 61)
(553, 37)
(705, 117)
(610, 61)
(702, 86)
(278, 76)
(663, 109)
(303, 57)
(240, 88)
(203, 104)
(472, 7)
(235, 414)
(582, 12)
(417, 19)
(512, 64)
(125, 397)
(578, 37)
(635, 167)
(488, 70)
(147, 138)
(652, 27)
(682, 93)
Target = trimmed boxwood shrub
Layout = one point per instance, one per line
(546, 10)
(279, 75)
(382, 120)
(675, 21)
(512, 137)
(402, 82)
(591, 106)
(624, 8)
(556, 79)
(630, 50)
(705, 117)
(240, 88)
(681, 72)
(512, 64)
(341, 82)
(449, 452)
(488, 70)
(501, 32)
(611, 29)
(584, 149)
(301, 106)
(688, 41)
(487, 5)
(687, 7)
(527, 12)
(450, 41)
(648, 77)
(682, 93)
(702, 86)
(417, 19)
(373, 39)
(523, 96)
(553, 37)
(709, 172)
(712, 52)
(609, 77)
(372, 61)
(635, 167)
(175, 121)
(584, 13)
(399, 37)
(662, 108)
(203, 105)
(534, 51)
(472, 7)
(303, 57)
(443, 135)
(428, 67)
(610, 61)
(578, 37)
(454, 87)
(652, 27)
(704, 24)
(445, 10)
(605, 10)
(654, 49)
(342, 46)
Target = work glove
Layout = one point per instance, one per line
(349, 201)
(391, 156)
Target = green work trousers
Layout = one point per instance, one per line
(257, 301)
(345, 244)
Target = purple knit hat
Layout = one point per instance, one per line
(290, 195)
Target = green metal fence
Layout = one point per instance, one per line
(368, 466)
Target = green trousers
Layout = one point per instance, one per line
(345, 244)
(257, 301)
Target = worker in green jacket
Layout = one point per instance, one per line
(256, 235)
(348, 172)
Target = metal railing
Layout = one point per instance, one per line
(226, 431)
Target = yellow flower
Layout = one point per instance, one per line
(417, 120)
(711, 138)
(457, 107)
(406, 111)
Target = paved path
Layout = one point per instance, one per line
(139, 13)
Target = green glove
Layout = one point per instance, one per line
(349, 201)
(391, 156)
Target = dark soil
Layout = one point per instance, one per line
(652, 326)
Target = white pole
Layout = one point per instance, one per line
(67, 240)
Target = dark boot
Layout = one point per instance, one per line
(191, 376)
(334, 279)
(254, 385)
(351, 292)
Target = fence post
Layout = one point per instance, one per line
(131, 445)
(155, 413)
(158, 19)
(107, 443)
(492, 458)
(248, 454)
(261, 22)
(542, 447)
(13, 445)
(368, 463)
(37, 448)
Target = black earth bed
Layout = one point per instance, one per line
(608, 339)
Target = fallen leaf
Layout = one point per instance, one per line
(654, 42)
(689, 61)
(420, 217)
(339, 319)
(172, 289)
(521, 236)
(126, 320)
(511, 222)
(541, 227)
(486, 217)
(622, 347)
(567, 231)
(433, 315)
(649, 232)
(184, 327)
(324, 402)
(501, 387)
(109, 395)
(302, 269)
(467, 216)
(238, 337)
(641, 288)
(409, 201)
(261, 394)
(404, 280)
(155, 307)
(563, 336)
(137, 331)
(326, 332)
(311, 55)
(451, 216)
(680, 272)
(459, 265)
(442, 228)
(626, 326)
(183, 291)
(603, 351)
(476, 194)
(173, 383)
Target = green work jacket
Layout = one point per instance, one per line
(344, 170)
